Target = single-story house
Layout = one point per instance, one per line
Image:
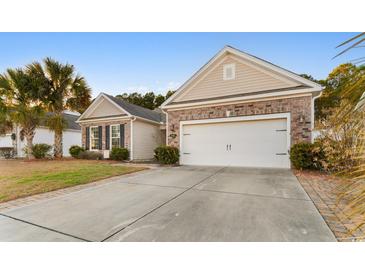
(71, 136)
(111, 122)
(240, 110)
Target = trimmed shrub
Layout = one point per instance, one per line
(41, 151)
(75, 151)
(90, 155)
(306, 155)
(167, 155)
(119, 154)
(7, 152)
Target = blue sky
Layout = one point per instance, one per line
(126, 62)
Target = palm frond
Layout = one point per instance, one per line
(356, 44)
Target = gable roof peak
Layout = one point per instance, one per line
(315, 87)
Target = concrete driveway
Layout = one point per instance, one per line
(175, 204)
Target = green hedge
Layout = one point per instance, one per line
(90, 155)
(119, 154)
(167, 155)
(306, 155)
(75, 151)
(41, 151)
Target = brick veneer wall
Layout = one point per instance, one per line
(300, 109)
(127, 131)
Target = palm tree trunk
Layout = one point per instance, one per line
(58, 144)
(29, 136)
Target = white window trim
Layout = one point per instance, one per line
(233, 68)
(90, 138)
(110, 135)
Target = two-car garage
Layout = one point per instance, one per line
(249, 141)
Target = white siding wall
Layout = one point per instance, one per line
(248, 78)
(46, 136)
(5, 141)
(146, 137)
(105, 108)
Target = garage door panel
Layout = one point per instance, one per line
(260, 143)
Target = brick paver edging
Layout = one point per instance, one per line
(324, 192)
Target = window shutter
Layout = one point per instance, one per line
(100, 131)
(107, 137)
(121, 135)
(87, 142)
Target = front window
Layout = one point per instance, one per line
(94, 137)
(115, 135)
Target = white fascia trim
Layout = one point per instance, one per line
(115, 104)
(91, 107)
(285, 115)
(95, 104)
(148, 120)
(245, 98)
(273, 67)
(196, 75)
(105, 119)
(242, 102)
(248, 57)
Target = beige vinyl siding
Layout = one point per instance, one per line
(105, 108)
(248, 78)
(146, 137)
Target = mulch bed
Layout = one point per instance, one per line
(324, 190)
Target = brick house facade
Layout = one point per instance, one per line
(299, 108)
(240, 110)
(127, 132)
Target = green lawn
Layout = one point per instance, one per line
(25, 178)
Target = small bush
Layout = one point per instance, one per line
(167, 155)
(75, 151)
(41, 151)
(119, 154)
(7, 152)
(90, 155)
(306, 155)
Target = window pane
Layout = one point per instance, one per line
(94, 137)
(115, 131)
(115, 142)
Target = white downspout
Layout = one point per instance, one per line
(167, 127)
(312, 114)
(131, 149)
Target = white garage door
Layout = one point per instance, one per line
(259, 143)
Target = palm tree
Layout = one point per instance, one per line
(5, 122)
(20, 102)
(62, 90)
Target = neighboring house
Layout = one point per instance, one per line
(111, 122)
(71, 136)
(240, 110)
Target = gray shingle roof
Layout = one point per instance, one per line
(70, 119)
(138, 110)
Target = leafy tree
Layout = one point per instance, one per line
(61, 89)
(309, 77)
(169, 94)
(159, 99)
(19, 90)
(339, 82)
(149, 100)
